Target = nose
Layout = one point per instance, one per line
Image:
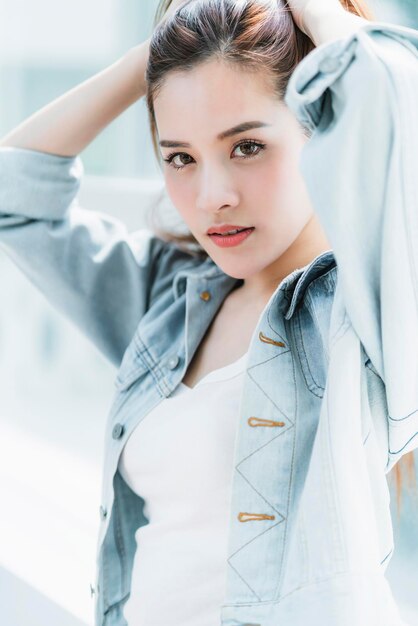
(216, 190)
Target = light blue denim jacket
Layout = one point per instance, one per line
(331, 384)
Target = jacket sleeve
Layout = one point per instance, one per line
(85, 262)
(358, 95)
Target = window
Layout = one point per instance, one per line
(46, 48)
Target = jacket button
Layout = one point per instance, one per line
(103, 512)
(329, 64)
(246, 517)
(117, 431)
(205, 295)
(173, 362)
(263, 337)
(92, 590)
(259, 421)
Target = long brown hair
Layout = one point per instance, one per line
(257, 35)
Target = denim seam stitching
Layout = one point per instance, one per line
(303, 359)
(284, 518)
(285, 546)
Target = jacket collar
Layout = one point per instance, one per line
(297, 282)
(293, 286)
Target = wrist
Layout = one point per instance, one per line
(323, 26)
(138, 58)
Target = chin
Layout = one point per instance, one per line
(237, 272)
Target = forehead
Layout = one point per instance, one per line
(213, 95)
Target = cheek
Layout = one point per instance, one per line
(278, 192)
(279, 180)
(266, 184)
(181, 195)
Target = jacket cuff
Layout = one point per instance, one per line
(306, 89)
(37, 184)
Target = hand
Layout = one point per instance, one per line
(303, 9)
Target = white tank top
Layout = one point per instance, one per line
(179, 459)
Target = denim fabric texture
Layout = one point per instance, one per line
(332, 361)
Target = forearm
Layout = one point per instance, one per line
(324, 26)
(69, 123)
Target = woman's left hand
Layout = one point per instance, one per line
(303, 9)
(324, 20)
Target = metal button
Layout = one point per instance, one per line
(329, 64)
(117, 431)
(205, 295)
(173, 362)
(103, 512)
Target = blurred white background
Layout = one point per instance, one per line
(56, 388)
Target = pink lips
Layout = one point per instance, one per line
(220, 229)
(226, 241)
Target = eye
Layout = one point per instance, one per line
(254, 148)
(171, 157)
(250, 144)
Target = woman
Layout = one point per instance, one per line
(276, 367)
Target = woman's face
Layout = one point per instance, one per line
(248, 178)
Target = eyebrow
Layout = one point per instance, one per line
(235, 130)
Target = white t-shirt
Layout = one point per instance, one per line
(179, 459)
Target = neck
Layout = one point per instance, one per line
(309, 244)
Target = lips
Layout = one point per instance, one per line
(231, 232)
(227, 241)
(222, 229)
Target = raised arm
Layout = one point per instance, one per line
(359, 96)
(85, 262)
(69, 123)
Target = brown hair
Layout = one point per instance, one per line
(256, 35)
